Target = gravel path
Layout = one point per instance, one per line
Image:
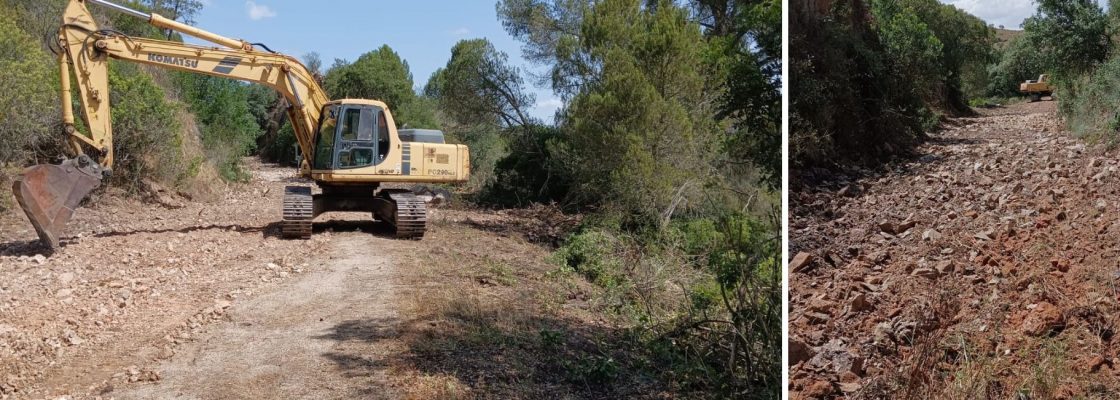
(983, 267)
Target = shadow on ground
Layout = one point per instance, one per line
(492, 352)
(272, 230)
(27, 248)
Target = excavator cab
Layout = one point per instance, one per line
(351, 136)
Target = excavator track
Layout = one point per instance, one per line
(411, 216)
(299, 211)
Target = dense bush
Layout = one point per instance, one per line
(226, 119)
(28, 117)
(146, 139)
(532, 172)
(1072, 35)
(870, 77)
(1090, 103)
(848, 102)
(283, 149)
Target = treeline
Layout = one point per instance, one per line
(870, 77)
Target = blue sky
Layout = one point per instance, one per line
(421, 31)
(1009, 13)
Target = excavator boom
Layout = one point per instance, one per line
(49, 194)
(349, 146)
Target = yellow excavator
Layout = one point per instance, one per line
(349, 146)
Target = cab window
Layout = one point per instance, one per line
(382, 136)
(351, 124)
(356, 146)
(324, 146)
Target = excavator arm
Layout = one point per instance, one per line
(87, 50)
(50, 193)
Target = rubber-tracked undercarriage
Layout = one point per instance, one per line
(400, 208)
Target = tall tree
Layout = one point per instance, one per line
(380, 74)
(478, 84)
(641, 137)
(747, 39)
(550, 31)
(1074, 34)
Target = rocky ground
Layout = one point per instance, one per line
(203, 300)
(986, 266)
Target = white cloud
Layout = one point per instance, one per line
(550, 104)
(259, 11)
(461, 32)
(1009, 13)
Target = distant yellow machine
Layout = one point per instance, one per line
(1036, 90)
(350, 146)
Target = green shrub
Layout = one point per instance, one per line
(28, 106)
(284, 148)
(145, 129)
(532, 173)
(226, 120)
(848, 101)
(1089, 103)
(593, 254)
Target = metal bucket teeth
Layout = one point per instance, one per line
(49, 194)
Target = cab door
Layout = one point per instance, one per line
(362, 137)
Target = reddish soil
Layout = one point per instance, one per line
(984, 267)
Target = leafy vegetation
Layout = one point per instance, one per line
(871, 77)
(670, 126)
(227, 118)
(26, 109)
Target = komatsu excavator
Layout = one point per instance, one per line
(349, 146)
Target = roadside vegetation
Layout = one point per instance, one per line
(667, 147)
(870, 78)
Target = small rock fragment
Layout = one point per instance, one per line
(931, 235)
(801, 262)
(860, 303)
(799, 351)
(1043, 319)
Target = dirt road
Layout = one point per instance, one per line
(982, 267)
(297, 340)
(203, 300)
(135, 282)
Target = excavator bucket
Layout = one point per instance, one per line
(49, 194)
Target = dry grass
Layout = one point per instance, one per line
(490, 317)
(952, 364)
